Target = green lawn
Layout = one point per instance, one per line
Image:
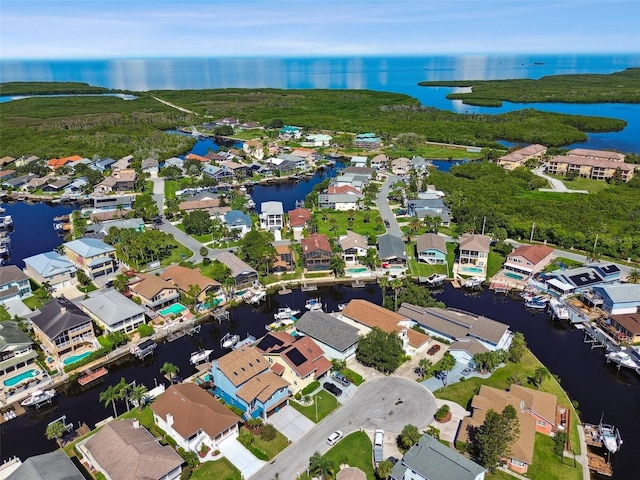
(421, 269)
(356, 449)
(499, 475)
(217, 470)
(324, 403)
(494, 264)
(271, 447)
(372, 227)
(35, 301)
(550, 466)
(592, 186)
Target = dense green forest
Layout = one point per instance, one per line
(618, 87)
(49, 88)
(51, 127)
(511, 205)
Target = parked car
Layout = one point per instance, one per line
(331, 388)
(467, 371)
(334, 437)
(386, 223)
(433, 350)
(341, 379)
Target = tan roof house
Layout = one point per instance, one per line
(519, 157)
(588, 167)
(185, 278)
(596, 154)
(154, 292)
(474, 251)
(353, 246)
(400, 166)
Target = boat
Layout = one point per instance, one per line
(2, 209)
(258, 297)
(4, 250)
(313, 304)
(342, 306)
(199, 356)
(623, 359)
(280, 324)
(559, 309)
(610, 436)
(229, 340)
(435, 279)
(38, 397)
(473, 282)
(6, 221)
(244, 343)
(89, 375)
(535, 304)
(145, 348)
(285, 313)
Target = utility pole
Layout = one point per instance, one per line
(532, 227)
(484, 222)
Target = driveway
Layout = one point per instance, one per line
(385, 210)
(556, 185)
(389, 403)
(291, 423)
(242, 458)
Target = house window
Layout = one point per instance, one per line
(517, 463)
(541, 423)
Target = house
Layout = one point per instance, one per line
(56, 163)
(367, 141)
(254, 149)
(35, 183)
(217, 173)
(237, 169)
(431, 248)
(316, 252)
(150, 165)
(26, 160)
(429, 205)
(75, 187)
(583, 279)
(210, 205)
(464, 349)
(122, 164)
(238, 223)
(199, 158)
(457, 325)
(318, 140)
(18, 182)
(351, 473)
(284, 261)
(625, 327)
(152, 291)
(242, 274)
(391, 249)
(52, 268)
(272, 216)
(125, 450)
(596, 154)
(186, 279)
(193, 417)
(289, 132)
(93, 256)
(519, 157)
(4, 161)
(353, 246)
(56, 186)
(120, 181)
(16, 348)
(369, 315)
(358, 161)
(101, 230)
(309, 155)
(336, 338)
(473, 251)
(431, 460)
(102, 165)
(55, 465)
(112, 202)
(61, 327)
(593, 168)
(243, 378)
(537, 412)
(379, 162)
(298, 219)
(14, 284)
(301, 361)
(174, 162)
(342, 189)
(420, 164)
(528, 259)
(341, 202)
(400, 166)
(619, 299)
(112, 311)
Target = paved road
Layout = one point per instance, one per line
(389, 403)
(385, 210)
(556, 185)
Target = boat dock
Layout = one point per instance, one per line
(91, 376)
(242, 343)
(284, 291)
(358, 284)
(598, 464)
(145, 348)
(11, 411)
(308, 288)
(598, 339)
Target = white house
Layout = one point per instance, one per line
(113, 311)
(272, 216)
(353, 246)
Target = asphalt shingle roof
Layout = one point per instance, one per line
(111, 307)
(328, 330)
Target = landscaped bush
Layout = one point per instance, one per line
(298, 396)
(312, 387)
(442, 412)
(353, 377)
(145, 330)
(94, 356)
(268, 432)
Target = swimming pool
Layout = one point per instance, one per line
(357, 270)
(75, 358)
(513, 275)
(10, 382)
(174, 309)
(471, 269)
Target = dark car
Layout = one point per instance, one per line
(386, 223)
(331, 388)
(433, 350)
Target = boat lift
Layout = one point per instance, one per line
(221, 314)
(63, 420)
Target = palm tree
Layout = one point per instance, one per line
(337, 265)
(110, 395)
(424, 364)
(139, 395)
(169, 369)
(55, 430)
(384, 284)
(384, 469)
(447, 363)
(540, 375)
(396, 284)
(634, 275)
(319, 465)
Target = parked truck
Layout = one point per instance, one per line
(378, 444)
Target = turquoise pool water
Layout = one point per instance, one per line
(75, 358)
(173, 309)
(10, 382)
(357, 270)
(471, 269)
(513, 275)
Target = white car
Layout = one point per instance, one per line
(334, 437)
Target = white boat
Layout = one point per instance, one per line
(38, 397)
(4, 250)
(313, 304)
(6, 221)
(258, 297)
(2, 209)
(559, 309)
(285, 313)
(229, 340)
(342, 306)
(473, 282)
(623, 359)
(535, 304)
(200, 356)
(435, 279)
(610, 437)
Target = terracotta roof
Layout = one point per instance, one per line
(261, 387)
(194, 409)
(533, 253)
(6, 160)
(242, 364)
(299, 217)
(59, 162)
(524, 153)
(282, 249)
(278, 369)
(184, 277)
(342, 190)
(475, 242)
(200, 158)
(316, 241)
(149, 286)
(314, 359)
(594, 162)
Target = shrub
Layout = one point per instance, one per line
(190, 457)
(313, 386)
(186, 473)
(268, 432)
(145, 330)
(442, 412)
(298, 396)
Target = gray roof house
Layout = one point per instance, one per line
(14, 284)
(149, 165)
(242, 273)
(238, 221)
(336, 338)
(113, 311)
(15, 347)
(430, 460)
(431, 248)
(50, 267)
(49, 466)
(391, 249)
(272, 216)
(619, 299)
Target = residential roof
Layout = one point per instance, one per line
(353, 240)
(533, 253)
(380, 158)
(594, 162)
(475, 242)
(184, 277)
(304, 356)
(11, 274)
(340, 197)
(200, 158)
(236, 265)
(469, 345)
(59, 315)
(55, 465)
(89, 247)
(620, 293)
(242, 364)
(524, 153)
(390, 247)
(6, 160)
(12, 334)
(328, 330)
(316, 241)
(299, 217)
(431, 241)
(148, 285)
(343, 190)
(149, 163)
(194, 409)
(127, 452)
(272, 208)
(110, 306)
(199, 204)
(358, 170)
(585, 152)
(400, 162)
(351, 473)
(59, 162)
(262, 387)
(629, 321)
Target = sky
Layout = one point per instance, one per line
(94, 29)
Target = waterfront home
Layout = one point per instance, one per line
(272, 216)
(289, 132)
(102, 165)
(61, 327)
(125, 450)
(191, 281)
(174, 162)
(309, 155)
(431, 248)
(431, 460)
(464, 349)
(457, 325)
(199, 158)
(93, 256)
(26, 160)
(209, 205)
(298, 219)
(238, 222)
(17, 182)
(52, 268)
(528, 259)
(420, 164)
(16, 348)
(242, 274)
(391, 249)
(217, 173)
(56, 186)
(379, 162)
(76, 187)
(112, 202)
(14, 284)
(358, 161)
(596, 154)
(624, 327)
(581, 279)
(619, 299)
(593, 168)
(301, 361)
(341, 202)
(368, 316)
(400, 166)
(519, 157)
(150, 166)
(243, 378)
(101, 230)
(430, 205)
(336, 338)
(193, 417)
(121, 181)
(318, 140)
(153, 292)
(55, 465)
(35, 183)
(316, 252)
(537, 412)
(112, 311)
(238, 170)
(473, 254)
(342, 189)
(253, 148)
(284, 261)
(367, 141)
(353, 247)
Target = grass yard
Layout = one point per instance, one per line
(550, 466)
(221, 469)
(269, 279)
(271, 447)
(592, 186)
(499, 475)
(421, 269)
(324, 403)
(356, 449)
(462, 392)
(35, 301)
(372, 227)
(494, 264)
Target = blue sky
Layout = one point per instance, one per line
(66, 29)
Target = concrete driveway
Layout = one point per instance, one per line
(389, 403)
(383, 206)
(291, 423)
(242, 458)
(556, 185)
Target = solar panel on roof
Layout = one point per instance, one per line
(296, 357)
(583, 279)
(267, 342)
(610, 268)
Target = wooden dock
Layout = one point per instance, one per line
(284, 291)
(455, 283)
(11, 411)
(308, 288)
(599, 464)
(90, 376)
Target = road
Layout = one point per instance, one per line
(389, 403)
(556, 185)
(385, 210)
